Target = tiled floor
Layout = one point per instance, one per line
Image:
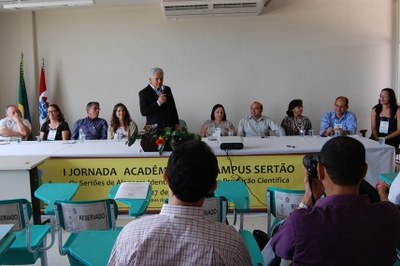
(251, 221)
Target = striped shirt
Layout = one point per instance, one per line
(179, 235)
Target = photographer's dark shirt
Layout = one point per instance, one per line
(340, 230)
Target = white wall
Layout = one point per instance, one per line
(309, 49)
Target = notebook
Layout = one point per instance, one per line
(132, 190)
(4, 230)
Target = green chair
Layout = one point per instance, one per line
(237, 193)
(252, 247)
(280, 203)
(92, 228)
(215, 209)
(137, 207)
(30, 242)
(50, 192)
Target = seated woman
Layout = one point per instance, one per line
(121, 125)
(218, 120)
(384, 118)
(55, 127)
(295, 121)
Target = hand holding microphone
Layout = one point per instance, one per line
(163, 97)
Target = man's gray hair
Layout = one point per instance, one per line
(155, 70)
(10, 105)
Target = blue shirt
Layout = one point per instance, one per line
(93, 128)
(348, 122)
(340, 230)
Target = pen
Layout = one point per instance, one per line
(290, 146)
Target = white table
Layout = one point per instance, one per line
(380, 158)
(19, 179)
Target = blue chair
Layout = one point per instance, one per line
(237, 193)
(216, 208)
(30, 241)
(137, 207)
(252, 247)
(50, 192)
(92, 228)
(280, 203)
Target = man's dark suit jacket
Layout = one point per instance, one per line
(165, 115)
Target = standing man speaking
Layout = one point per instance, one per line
(157, 102)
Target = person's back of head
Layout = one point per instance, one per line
(192, 171)
(344, 160)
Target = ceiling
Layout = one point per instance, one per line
(99, 3)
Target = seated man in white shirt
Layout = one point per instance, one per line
(180, 234)
(13, 126)
(258, 125)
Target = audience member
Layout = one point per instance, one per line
(218, 120)
(384, 118)
(55, 127)
(343, 228)
(121, 124)
(258, 125)
(13, 126)
(180, 235)
(294, 122)
(157, 102)
(93, 127)
(340, 121)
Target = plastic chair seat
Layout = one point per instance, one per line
(77, 245)
(18, 253)
(6, 242)
(38, 232)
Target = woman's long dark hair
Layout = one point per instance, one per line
(293, 104)
(60, 114)
(215, 108)
(114, 119)
(393, 103)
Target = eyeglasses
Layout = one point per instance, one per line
(383, 96)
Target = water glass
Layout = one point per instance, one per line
(38, 139)
(381, 140)
(119, 136)
(302, 132)
(311, 132)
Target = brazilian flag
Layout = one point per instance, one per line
(23, 104)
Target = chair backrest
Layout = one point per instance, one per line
(280, 203)
(76, 216)
(215, 209)
(15, 211)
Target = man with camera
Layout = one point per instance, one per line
(343, 228)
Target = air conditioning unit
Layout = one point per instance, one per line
(182, 8)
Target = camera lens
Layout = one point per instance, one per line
(310, 162)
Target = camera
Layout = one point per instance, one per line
(310, 162)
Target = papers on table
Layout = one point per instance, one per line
(132, 190)
(4, 230)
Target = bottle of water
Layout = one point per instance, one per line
(81, 135)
